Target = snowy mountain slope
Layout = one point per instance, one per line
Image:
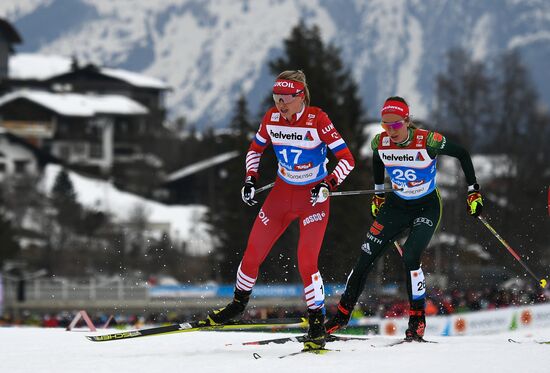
(210, 51)
(183, 223)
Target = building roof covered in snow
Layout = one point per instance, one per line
(32, 66)
(79, 105)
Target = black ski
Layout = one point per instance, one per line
(538, 342)
(404, 341)
(318, 351)
(202, 325)
(299, 339)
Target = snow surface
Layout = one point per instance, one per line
(56, 350)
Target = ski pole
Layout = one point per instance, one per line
(365, 191)
(398, 247)
(344, 193)
(265, 187)
(542, 282)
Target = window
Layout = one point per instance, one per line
(79, 148)
(21, 166)
(96, 151)
(63, 151)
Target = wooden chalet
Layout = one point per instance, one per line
(80, 129)
(90, 116)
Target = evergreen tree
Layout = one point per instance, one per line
(463, 113)
(517, 116)
(231, 218)
(9, 246)
(64, 199)
(493, 107)
(240, 123)
(521, 133)
(330, 83)
(68, 217)
(463, 99)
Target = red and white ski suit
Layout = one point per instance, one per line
(301, 148)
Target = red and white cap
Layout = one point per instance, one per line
(287, 87)
(395, 107)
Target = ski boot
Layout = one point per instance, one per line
(417, 325)
(340, 320)
(232, 312)
(316, 335)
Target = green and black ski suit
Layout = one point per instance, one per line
(411, 166)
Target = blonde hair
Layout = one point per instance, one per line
(298, 76)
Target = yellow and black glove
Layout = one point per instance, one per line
(474, 201)
(378, 201)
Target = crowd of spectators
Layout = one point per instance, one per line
(439, 302)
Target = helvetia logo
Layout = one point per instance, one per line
(419, 157)
(308, 136)
(401, 158)
(286, 136)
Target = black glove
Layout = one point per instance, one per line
(247, 192)
(319, 193)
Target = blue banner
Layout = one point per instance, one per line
(226, 291)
